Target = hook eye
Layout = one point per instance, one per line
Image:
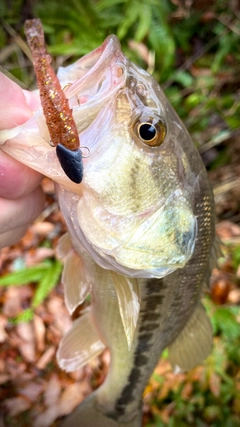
(88, 152)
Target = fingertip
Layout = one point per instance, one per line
(16, 179)
(16, 213)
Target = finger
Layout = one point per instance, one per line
(13, 105)
(32, 99)
(20, 212)
(13, 236)
(16, 180)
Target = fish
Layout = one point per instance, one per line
(141, 231)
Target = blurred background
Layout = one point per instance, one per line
(192, 48)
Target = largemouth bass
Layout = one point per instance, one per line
(141, 230)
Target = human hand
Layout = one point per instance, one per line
(21, 196)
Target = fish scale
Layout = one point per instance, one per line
(146, 334)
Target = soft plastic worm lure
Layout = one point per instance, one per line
(58, 114)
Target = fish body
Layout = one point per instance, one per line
(141, 231)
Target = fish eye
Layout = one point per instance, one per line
(151, 131)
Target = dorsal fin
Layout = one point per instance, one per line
(193, 344)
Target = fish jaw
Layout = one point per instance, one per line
(91, 83)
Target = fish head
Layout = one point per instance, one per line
(134, 209)
(136, 213)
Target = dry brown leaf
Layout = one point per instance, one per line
(3, 333)
(220, 287)
(215, 384)
(14, 368)
(238, 272)
(52, 391)
(12, 304)
(227, 230)
(15, 298)
(46, 418)
(140, 48)
(42, 228)
(163, 367)
(46, 357)
(58, 309)
(187, 391)
(4, 378)
(39, 332)
(16, 405)
(2, 423)
(234, 296)
(195, 374)
(29, 240)
(40, 254)
(27, 343)
(72, 396)
(32, 390)
(2, 365)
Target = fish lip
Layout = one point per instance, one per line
(105, 60)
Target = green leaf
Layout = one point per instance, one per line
(226, 321)
(144, 24)
(184, 78)
(47, 283)
(107, 4)
(25, 316)
(22, 277)
(131, 16)
(163, 44)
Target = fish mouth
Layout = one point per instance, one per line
(96, 76)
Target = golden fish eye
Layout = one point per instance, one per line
(150, 131)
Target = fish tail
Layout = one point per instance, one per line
(87, 414)
(35, 37)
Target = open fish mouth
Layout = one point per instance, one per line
(95, 77)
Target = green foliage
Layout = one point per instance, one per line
(236, 257)
(46, 275)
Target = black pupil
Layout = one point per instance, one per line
(147, 131)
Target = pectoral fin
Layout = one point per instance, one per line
(80, 344)
(64, 246)
(76, 285)
(76, 277)
(193, 344)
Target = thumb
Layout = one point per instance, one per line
(14, 103)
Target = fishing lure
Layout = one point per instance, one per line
(58, 114)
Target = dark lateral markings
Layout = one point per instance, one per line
(149, 321)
